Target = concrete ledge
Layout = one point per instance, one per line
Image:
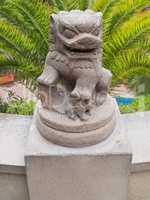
(14, 131)
(12, 169)
(13, 135)
(139, 186)
(140, 167)
(137, 127)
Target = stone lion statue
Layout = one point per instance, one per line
(73, 65)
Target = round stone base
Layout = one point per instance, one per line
(60, 130)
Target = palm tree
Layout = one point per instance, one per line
(126, 42)
(24, 36)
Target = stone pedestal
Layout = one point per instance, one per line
(61, 130)
(98, 172)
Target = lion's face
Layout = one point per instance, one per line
(78, 30)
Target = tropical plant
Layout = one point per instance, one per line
(140, 84)
(3, 106)
(16, 105)
(21, 107)
(24, 36)
(126, 34)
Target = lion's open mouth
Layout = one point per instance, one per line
(71, 49)
(84, 43)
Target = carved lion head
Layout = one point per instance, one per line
(78, 30)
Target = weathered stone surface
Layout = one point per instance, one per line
(13, 187)
(89, 177)
(14, 131)
(138, 135)
(139, 185)
(74, 85)
(78, 173)
(75, 59)
(63, 131)
(101, 117)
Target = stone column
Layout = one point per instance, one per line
(89, 173)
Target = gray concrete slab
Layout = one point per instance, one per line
(137, 127)
(78, 173)
(13, 132)
(13, 187)
(117, 143)
(139, 186)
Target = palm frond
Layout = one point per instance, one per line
(126, 37)
(123, 12)
(84, 4)
(59, 4)
(15, 39)
(31, 19)
(67, 5)
(105, 6)
(24, 26)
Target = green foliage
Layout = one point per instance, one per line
(140, 84)
(24, 28)
(141, 104)
(24, 36)
(126, 38)
(60, 5)
(3, 106)
(21, 107)
(16, 105)
(2, 2)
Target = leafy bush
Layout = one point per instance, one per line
(16, 105)
(140, 84)
(21, 107)
(3, 106)
(141, 104)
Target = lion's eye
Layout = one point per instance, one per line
(69, 34)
